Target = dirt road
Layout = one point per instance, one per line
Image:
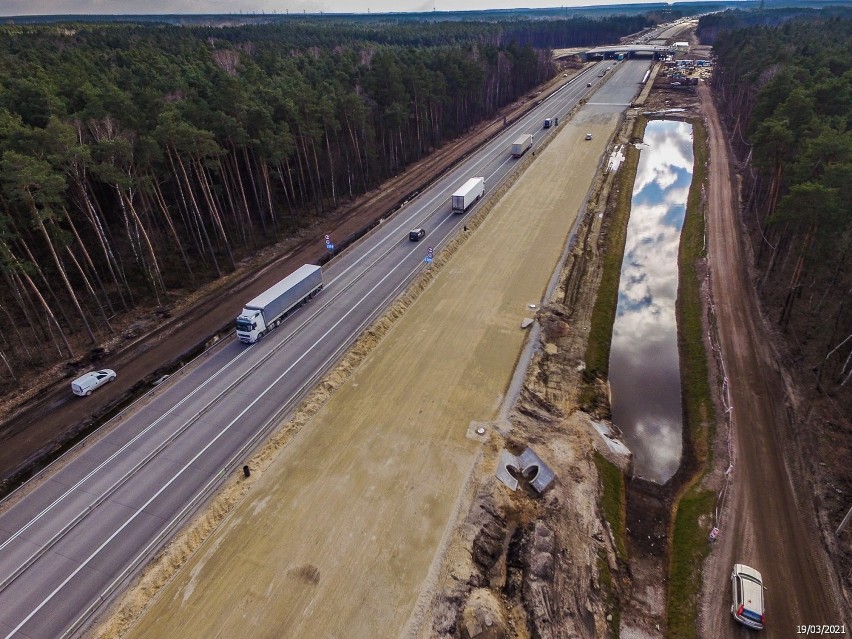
(337, 537)
(766, 523)
(33, 430)
(374, 507)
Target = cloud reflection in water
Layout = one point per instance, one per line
(644, 371)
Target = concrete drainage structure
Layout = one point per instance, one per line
(529, 466)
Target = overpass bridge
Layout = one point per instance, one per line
(629, 51)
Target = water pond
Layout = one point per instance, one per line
(644, 370)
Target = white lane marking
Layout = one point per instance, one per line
(100, 466)
(441, 194)
(196, 390)
(174, 477)
(498, 146)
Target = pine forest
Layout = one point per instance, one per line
(784, 79)
(138, 162)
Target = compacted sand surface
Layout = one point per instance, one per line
(337, 537)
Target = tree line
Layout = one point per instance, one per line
(141, 160)
(786, 91)
(717, 22)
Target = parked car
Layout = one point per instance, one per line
(747, 593)
(415, 235)
(85, 384)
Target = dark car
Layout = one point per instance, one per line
(415, 235)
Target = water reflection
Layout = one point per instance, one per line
(644, 371)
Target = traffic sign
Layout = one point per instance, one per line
(329, 246)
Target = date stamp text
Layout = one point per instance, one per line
(821, 629)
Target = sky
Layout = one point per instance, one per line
(96, 7)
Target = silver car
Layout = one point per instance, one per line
(747, 591)
(85, 384)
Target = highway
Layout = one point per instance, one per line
(72, 539)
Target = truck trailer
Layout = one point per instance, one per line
(268, 310)
(469, 193)
(521, 145)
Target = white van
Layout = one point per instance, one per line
(90, 381)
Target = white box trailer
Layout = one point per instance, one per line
(522, 145)
(469, 193)
(269, 309)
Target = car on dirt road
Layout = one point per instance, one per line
(85, 384)
(588, 136)
(747, 592)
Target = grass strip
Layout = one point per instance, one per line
(611, 600)
(689, 548)
(606, 302)
(694, 373)
(689, 545)
(613, 502)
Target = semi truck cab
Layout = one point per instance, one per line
(250, 325)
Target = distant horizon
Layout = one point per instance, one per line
(121, 8)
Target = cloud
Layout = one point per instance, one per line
(644, 364)
(162, 7)
(154, 7)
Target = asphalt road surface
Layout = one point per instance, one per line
(341, 535)
(73, 539)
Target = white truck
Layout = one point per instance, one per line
(521, 145)
(469, 193)
(268, 310)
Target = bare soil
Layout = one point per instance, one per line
(768, 516)
(43, 418)
(499, 564)
(398, 526)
